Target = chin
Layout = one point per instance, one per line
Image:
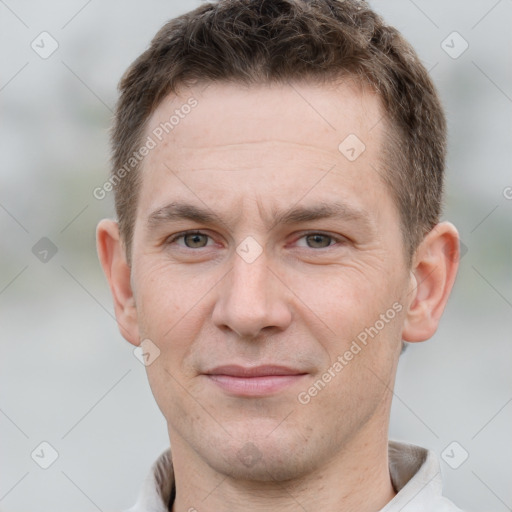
(262, 459)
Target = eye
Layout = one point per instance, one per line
(317, 240)
(191, 239)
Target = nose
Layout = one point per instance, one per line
(252, 299)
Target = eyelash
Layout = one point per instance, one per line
(170, 240)
(183, 234)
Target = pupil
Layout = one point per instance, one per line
(319, 240)
(195, 240)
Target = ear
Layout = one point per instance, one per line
(433, 273)
(113, 260)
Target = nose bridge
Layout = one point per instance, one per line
(250, 300)
(250, 281)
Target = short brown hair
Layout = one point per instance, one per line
(281, 41)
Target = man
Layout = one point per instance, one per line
(278, 170)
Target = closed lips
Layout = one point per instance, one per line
(260, 381)
(252, 372)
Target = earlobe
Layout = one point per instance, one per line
(433, 274)
(118, 273)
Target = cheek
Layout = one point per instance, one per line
(170, 305)
(347, 298)
(164, 293)
(359, 376)
(364, 316)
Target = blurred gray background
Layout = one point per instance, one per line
(68, 378)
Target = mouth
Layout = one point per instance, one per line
(256, 381)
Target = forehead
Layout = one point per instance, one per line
(225, 113)
(264, 140)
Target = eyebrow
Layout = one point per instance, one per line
(176, 211)
(338, 211)
(179, 211)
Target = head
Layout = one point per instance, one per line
(282, 210)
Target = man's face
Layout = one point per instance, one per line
(299, 252)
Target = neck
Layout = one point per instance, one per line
(356, 478)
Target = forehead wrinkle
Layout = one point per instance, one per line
(229, 145)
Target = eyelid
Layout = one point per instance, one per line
(336, 238)
(173, 238)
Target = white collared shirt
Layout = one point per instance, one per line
(414, 471)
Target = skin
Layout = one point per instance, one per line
(245, 154)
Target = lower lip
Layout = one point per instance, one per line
(254, 386)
